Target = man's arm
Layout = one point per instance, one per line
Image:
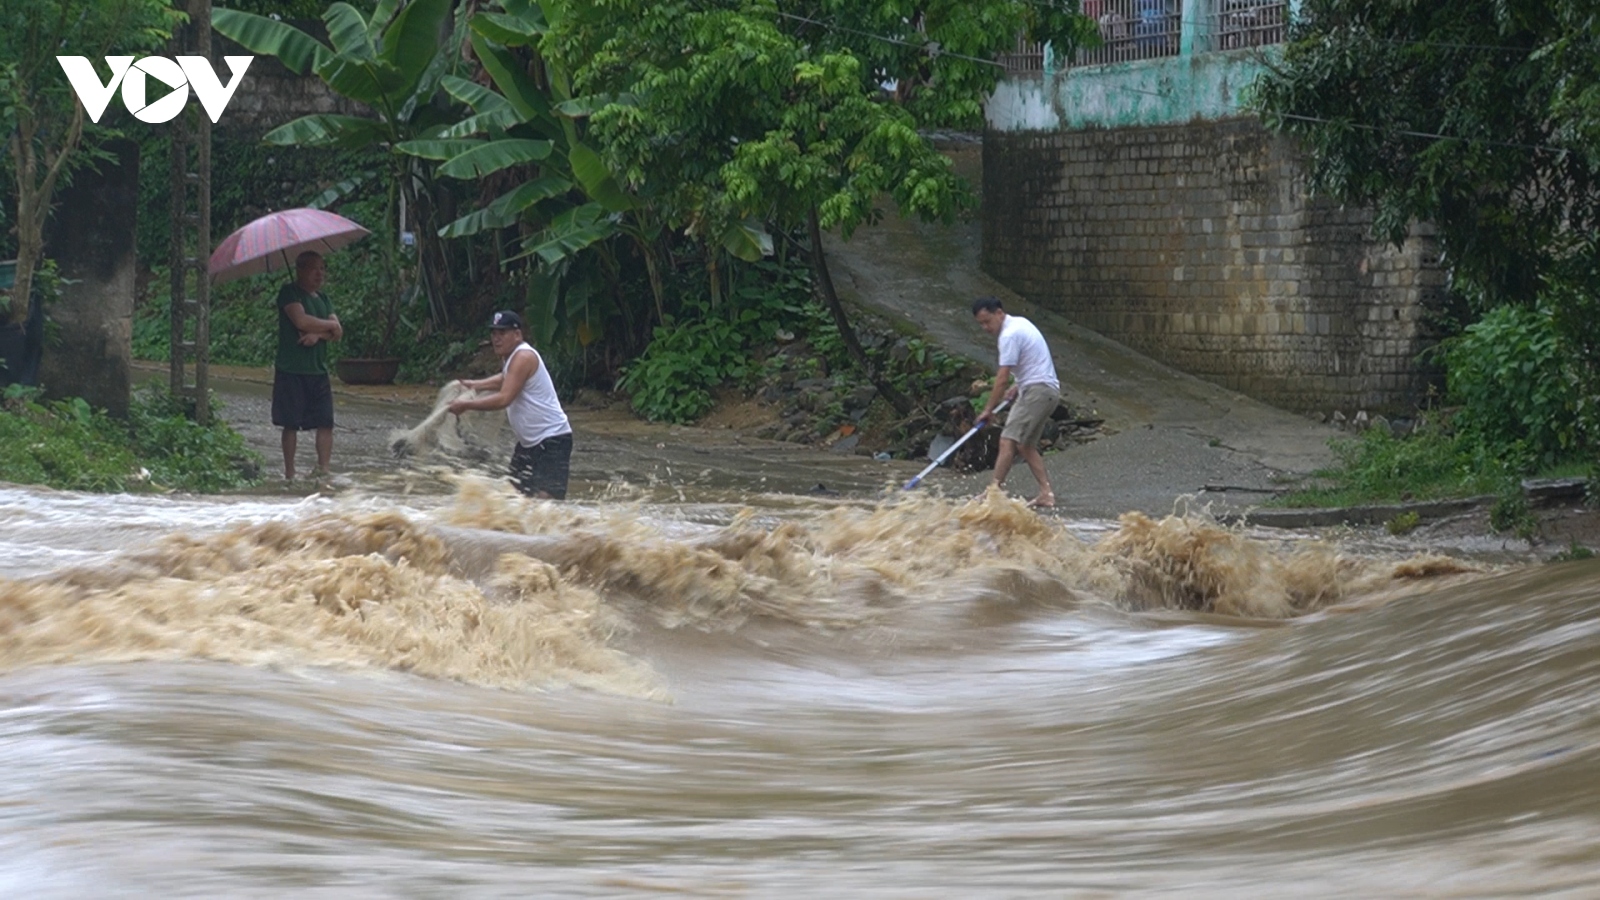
(327, 329)
(522, 367)
(1002, 381)
(492, 383)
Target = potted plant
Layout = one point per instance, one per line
(367, 357)
(367, 369)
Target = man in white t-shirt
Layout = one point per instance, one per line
(543, 455)
(1024, 359)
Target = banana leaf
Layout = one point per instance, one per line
(411, 42)
(481, 99)
(597, 180)
(506, 208)
(512, 31)
(326, 130)
(489, 158)
(439, 149)
(514, 84)
(347, 31)
(299, 52)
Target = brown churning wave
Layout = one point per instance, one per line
(498, 591)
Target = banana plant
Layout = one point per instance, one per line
(573, 205)
(393, 64)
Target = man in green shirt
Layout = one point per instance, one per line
(302, 395)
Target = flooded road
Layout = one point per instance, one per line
(614, 452)
(424, 686)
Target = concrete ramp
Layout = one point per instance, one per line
(1174, 431)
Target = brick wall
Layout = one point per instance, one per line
(1197, 245)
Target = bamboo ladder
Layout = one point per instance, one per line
(191, 230)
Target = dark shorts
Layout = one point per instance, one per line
(301, 402)
(543, 468)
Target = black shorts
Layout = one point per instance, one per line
(543, 468)
(301, 402)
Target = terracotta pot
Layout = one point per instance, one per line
(367, 371)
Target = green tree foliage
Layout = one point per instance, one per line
(43, 121)
(1518, 390)
(610, 133)
(390, 61)
(724, 116)
(1481, 117)
(524, 140)
(937, 54)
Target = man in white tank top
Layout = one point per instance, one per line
(1025, 359)
(543, 455)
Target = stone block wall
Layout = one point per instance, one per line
(1196, 244)
(270, 95)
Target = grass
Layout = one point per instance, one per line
(1376, 467)
(1379, 468)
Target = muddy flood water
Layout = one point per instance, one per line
(692, 685)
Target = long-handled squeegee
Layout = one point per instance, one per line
(953, 447)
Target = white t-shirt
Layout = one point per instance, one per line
(1022, 348)
(535, 413)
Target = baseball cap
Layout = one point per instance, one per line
(505, 319)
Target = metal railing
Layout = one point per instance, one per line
(1150, 29)
(1132, 29)
(1026, 57)
(1237, 24)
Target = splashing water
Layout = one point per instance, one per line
(497, 697)
(441, 433)
(541, 604)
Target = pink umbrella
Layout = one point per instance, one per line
(273, 241)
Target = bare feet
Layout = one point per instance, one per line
(1043, 501)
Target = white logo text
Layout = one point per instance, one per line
(181, 74)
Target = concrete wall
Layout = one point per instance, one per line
(91, 237)
(1196, 244)
(1118, 95)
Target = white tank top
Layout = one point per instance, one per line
(535, 413)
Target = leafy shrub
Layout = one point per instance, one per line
(672, 380)
(704, 347)
(1404, 523)
(66, 444)
(1510, 512)
(1575, 551)
(181, 454)
(244, 321)
(1510, 374)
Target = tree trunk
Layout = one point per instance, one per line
(819, 267)
(656, 290)
(33, 201)
(711, 276)
(432, 273)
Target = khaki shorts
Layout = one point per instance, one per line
(1029, 413)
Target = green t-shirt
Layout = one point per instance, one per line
(292, 357)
